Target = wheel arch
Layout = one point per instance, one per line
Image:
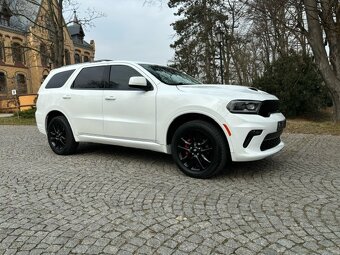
(51, 115)
(181, 119)
(55, 113)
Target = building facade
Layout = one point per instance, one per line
(25, 56)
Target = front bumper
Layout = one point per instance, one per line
(261, 145)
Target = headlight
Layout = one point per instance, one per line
(244, 106)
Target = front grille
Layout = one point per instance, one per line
(268, 107)
(271, 140)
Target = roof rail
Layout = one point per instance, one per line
(101, 60)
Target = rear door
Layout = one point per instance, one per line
(84, 100)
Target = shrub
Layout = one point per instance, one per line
(294, 79)
(27, 114)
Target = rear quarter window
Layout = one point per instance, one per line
(58, 80)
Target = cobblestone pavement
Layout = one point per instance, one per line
(114, 200)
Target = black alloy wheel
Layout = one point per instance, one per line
(199, 149)
(60, 136)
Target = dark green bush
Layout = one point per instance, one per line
(297, 83)
(27, 114)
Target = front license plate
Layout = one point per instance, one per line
(281, 125)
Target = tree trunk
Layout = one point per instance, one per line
(336, 106)
(60, 35)
(315, 37)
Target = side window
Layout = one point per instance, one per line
(120, 76)
(59, 79)
(92, 78)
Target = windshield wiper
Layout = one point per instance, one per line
(182, 83)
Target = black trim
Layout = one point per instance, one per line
(268, 107)
(250, 136)
(271, 141)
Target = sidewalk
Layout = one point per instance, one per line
(5, 115)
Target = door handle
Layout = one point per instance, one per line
(66, 97)
(110, 98)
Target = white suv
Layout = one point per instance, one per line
(158, 108)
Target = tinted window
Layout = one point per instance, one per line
(59, 79)
(120, 76)
(91, 78)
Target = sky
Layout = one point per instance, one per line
(131, 30)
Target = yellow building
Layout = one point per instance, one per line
(24, 58)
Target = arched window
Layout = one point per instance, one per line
(43, 55)
(21, 84)
(77, 58)
(67, 57)
(86, 59)
(3, 83)
(17, 53)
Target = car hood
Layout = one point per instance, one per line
(229, 91)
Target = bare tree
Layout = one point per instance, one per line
(49, 28)
(323, 34)
(315, 21)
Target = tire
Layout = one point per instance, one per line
(60, 136)
(199, 149)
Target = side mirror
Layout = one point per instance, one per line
(138, 81)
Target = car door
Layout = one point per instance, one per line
(129, 113)
(84, 100)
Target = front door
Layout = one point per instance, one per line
(129, 113)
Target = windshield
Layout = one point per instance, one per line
(169, 75)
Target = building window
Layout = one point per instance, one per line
(3, 83)
(43, 55)
(17, 53)
(67, 57)
(77, 58)
(21, 84)
(4, 20)
(2, 52)
(86, 59)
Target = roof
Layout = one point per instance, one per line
(101, 62)
(76, 30)
(24, 13)
(82, 44)
(77, 33)
(11, 29)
